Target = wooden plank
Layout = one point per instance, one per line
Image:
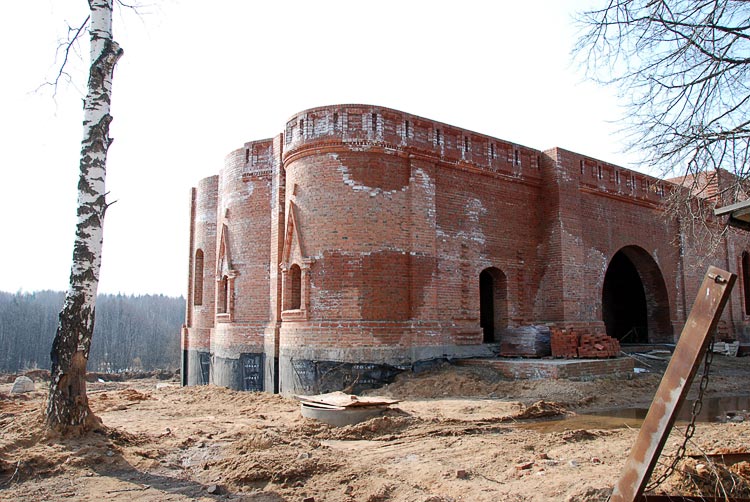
(709, 303)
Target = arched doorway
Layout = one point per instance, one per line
(493, 303)
(635, 304)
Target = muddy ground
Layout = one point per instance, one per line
(459, 434)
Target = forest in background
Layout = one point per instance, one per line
(131, 332)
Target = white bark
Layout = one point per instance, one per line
(67, 405)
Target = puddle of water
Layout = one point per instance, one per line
(716, 409)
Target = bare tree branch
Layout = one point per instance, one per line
(683, 67)
(74, 34)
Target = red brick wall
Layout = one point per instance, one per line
(401, 219)
(487, 220)
(244, 190)
(600, 217)
(361, 236)
(394, 217)
(203, 232)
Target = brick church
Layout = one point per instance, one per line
(363, 241)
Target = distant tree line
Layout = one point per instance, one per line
(131, 332)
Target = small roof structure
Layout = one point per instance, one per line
(739, 214)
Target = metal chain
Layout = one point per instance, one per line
(690, 429)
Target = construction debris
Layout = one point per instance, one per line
(727, 348)
(339, 408)
(344, 400)
(525, 341)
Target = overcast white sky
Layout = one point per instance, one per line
(198, 79)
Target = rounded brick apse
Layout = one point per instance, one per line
(363, 241)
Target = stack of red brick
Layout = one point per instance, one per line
(564, 344)
(572, 345)
(598, 345)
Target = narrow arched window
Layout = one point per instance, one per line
(295, 287)
(223, 306)
(746, 280)
(198, 278)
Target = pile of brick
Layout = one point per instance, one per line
(569, 344)
(564, 344)
(598, 345)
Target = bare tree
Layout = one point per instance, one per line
(682, 68)
(67, 404)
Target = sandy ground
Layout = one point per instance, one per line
(459, 434)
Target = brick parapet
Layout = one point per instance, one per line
(364, 127)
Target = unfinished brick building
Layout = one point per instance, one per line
(363, 240)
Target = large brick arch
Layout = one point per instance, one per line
(622, 300)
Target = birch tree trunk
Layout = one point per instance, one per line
(67, 403)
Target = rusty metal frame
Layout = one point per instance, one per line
(704, 316)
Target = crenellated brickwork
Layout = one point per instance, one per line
(362, 241)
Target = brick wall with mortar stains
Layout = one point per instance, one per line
(201, 312)
(380, 222)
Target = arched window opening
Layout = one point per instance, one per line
(223, 306)
(493, 303)
(295, 287)
(746, 280)
(198, 278)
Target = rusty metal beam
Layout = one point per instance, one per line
(709, 303)
(724, 458)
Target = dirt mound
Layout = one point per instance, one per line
(32, 465)
(445, 380)
(223, 397)
(134, 395)
(259, 441)
(117, 400)
(590, 495)
(541, 409)
(378, 427)
(468, 382)
(275, 466)
(122, 437)
(269, 457)
(34, 452)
